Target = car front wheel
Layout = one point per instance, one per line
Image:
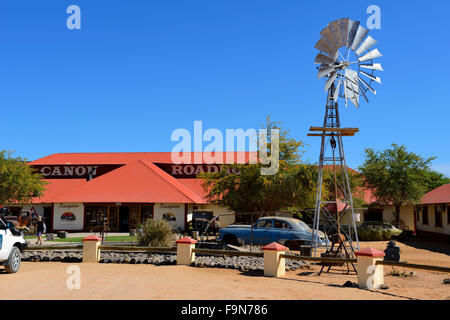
(14, 259)
(230, 239)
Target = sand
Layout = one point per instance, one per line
(48, 280)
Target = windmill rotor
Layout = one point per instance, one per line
(346, 60)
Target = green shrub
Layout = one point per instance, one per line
(155, 233)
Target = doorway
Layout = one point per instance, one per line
(48, 211)
(373, 215)
(124, 219)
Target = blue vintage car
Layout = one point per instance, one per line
(271, 229)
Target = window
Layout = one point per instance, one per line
(146, 213)
(438, 215)
(425, 215)
(448, 214)
(281, 224)
(263, 223)
(95, 216)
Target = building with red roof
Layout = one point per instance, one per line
(433, 219)
(84, 189)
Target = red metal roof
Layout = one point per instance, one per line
(137, 182)
(129, 157)
(56, 187)
(438, 195)
(195, 185)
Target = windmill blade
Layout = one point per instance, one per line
(351, 94)
(343, 26)
(373, 66)
(352, 29)
(367, 85)
(328, 36)
(335, 29)
(323, 59)
(345, 94)
(370, 76)
(324, 46)
(362, 92)
(325, 71)
(336, 91)
(359, 37)
(366, 45)
(330, 81)
(370, 55)
(352, 87)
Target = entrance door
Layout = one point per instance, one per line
(124, 219)
(48, 217)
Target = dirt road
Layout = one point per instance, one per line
(123, 281)
(48, 280)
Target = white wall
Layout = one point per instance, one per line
(406, 215)
(174, 211)
(39, 208)
(76, 210)
(431, 221)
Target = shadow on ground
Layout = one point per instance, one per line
(431, 245)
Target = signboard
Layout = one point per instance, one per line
(68, 216)
(173, 213)
(74, 171)
(190, 171)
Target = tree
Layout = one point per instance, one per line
(250, 191)
(435, 179)
(18, 182)
(396, 176)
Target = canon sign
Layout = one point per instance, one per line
(68, 171)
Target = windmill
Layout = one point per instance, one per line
(346, 63)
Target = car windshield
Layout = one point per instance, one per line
(300, 225)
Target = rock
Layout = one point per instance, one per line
(383, 287)
(446, 281)
(56, 258)
(349, 284)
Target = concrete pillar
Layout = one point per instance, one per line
(185, 253)
(370, 275)
(274, 264)
(91, 250)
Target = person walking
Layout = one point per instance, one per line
(40, 228)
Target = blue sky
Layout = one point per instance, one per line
(137, 70)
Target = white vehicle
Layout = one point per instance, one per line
(11, 244)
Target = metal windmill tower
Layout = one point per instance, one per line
(346, 63)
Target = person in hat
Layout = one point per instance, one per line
(40, 229)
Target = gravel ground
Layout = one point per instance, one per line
(202, 261)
